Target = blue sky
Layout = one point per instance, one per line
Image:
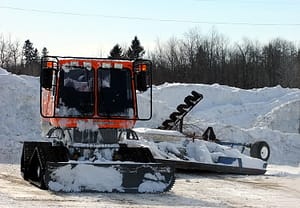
(93, 27)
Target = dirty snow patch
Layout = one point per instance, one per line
(152, 183)
(87, 125)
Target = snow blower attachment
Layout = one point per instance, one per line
(217, 161)
(91, 106)
(176, 118)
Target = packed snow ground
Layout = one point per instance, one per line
(269, 114)
(279, 189)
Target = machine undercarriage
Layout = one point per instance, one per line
(59, 165)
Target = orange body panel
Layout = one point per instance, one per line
(47, 102)
(93, 122)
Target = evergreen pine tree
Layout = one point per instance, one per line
(30, 59)
(45, 52)
(116, 52)
(136, 50)
(30, 53)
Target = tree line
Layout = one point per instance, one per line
(211, 58)
(194, 58)
(20, 59)
(25, 59)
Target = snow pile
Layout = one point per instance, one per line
(284, 118)
(20, 119)
(222, 104)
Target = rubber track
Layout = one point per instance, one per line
(133, 175)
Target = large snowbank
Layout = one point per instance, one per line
(270, 114)
(19, 107)
(226, 105)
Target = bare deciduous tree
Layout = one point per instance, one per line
(3, 50)
(210, 59)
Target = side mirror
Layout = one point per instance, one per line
(143, 84)
(143, 69)
(48, 68)
(46, 78)
(141, 81)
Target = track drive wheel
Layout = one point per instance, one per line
(37, 170)
(40, 177)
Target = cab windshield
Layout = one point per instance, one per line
(77, 96)
(76, 93)
(115, 93)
